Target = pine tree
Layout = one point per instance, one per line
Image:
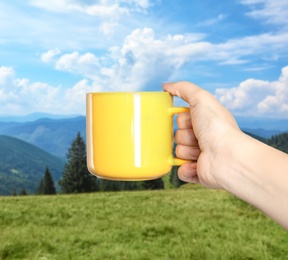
(279, 142)
(76, 177)
(48, 183)
(23, 192)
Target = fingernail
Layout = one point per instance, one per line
(166, 83)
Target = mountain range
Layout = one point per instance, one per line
(55, 135)
(264, 127)
(27, 147)
(32, 117)
(51, 135)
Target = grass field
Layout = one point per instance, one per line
(193, 223)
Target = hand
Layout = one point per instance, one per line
(222, 156)
(204, 135)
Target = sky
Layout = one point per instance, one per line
(53, 52)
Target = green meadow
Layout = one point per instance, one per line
(186, 223)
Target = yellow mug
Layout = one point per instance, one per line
(130, 135)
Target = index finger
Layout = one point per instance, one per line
(182, 89)
(188, 91)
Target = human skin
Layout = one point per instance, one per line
(222, 156)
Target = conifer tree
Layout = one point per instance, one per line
(76, 177)
(23, 192)
(46, 185)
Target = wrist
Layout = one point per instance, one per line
(242, 165)
(255, 174)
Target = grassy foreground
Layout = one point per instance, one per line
(173, 224)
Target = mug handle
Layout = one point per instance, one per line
(172, 111)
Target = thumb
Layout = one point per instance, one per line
(183, 89)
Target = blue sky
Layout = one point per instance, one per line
(53, 52)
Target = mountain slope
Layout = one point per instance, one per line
(52, 135)
(22, 165)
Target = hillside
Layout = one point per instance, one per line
(52, 135)
(22, 165)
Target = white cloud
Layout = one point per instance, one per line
(251, 98)
(54, 5)
(108, 28)
(6, 76)
(144, 59)
(85, 64)
(49, 55)
(243, 49)
(257, 97)
(271, 11)
(140, 3)
(104, 11)
(7, 94)
(102, 8)
(70, 24)
(258, 68)
(75, 97)
(19, 95)
(106, 14)
(212, 21)
(141, 60)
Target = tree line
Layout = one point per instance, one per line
(77, 179)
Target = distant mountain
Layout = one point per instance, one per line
(52, 135)
(265, 127)
(22, 165)
(263, 123)
(55, 135)
(33, 117)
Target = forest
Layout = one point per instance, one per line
(77, 179)
(74, 176)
